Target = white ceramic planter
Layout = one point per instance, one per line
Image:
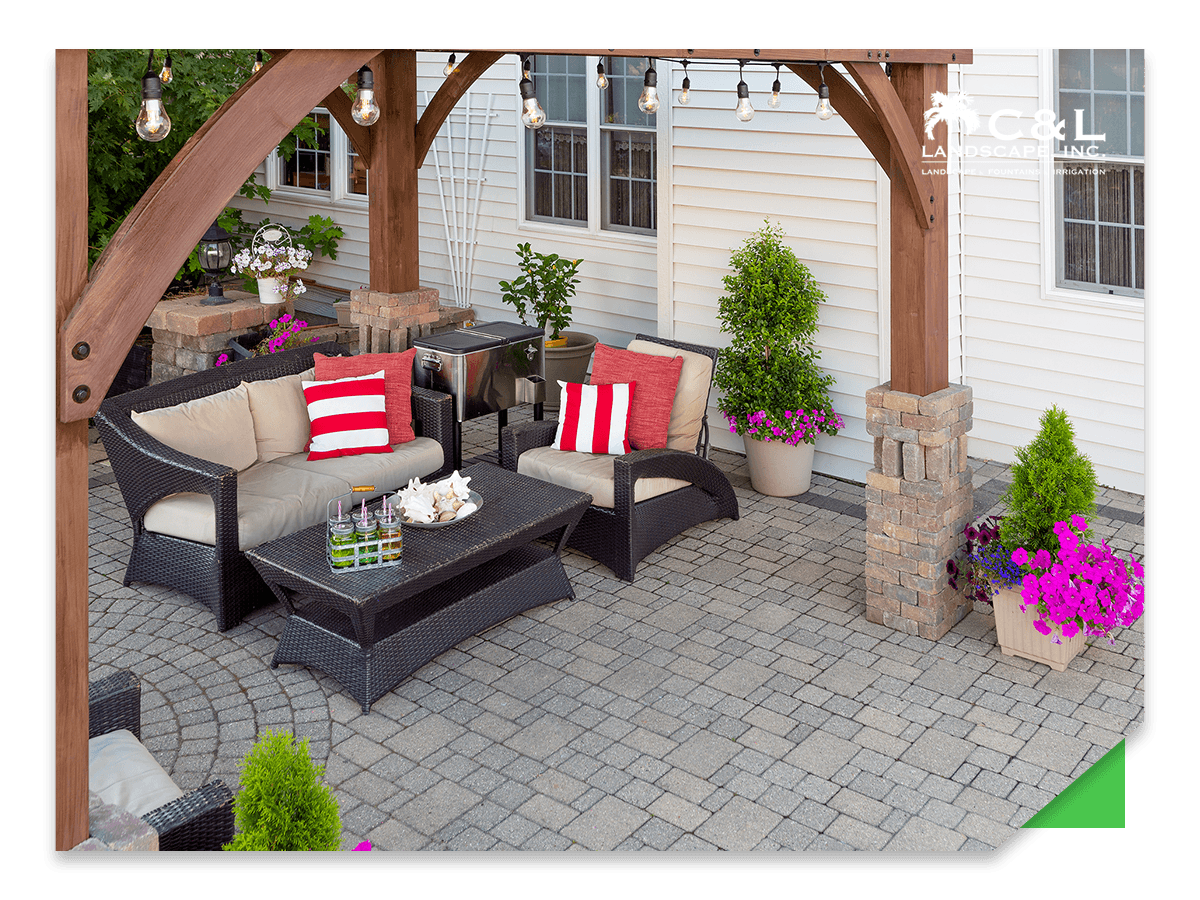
(268, 291)
(1017, 637)
(777, 469)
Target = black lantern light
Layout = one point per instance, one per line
(215, 253)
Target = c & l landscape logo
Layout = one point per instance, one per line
(1011, 129)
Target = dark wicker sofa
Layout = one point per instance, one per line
(147, 470)
(622, 536)
(201, 820)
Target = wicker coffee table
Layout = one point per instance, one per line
(372, 628)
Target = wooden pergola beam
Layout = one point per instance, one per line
(853, 107)
(163, 228)
(940, 57)
(362, 138)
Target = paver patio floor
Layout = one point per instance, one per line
(732, 697)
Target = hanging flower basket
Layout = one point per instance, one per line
(275, 263)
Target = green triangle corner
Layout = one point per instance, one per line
(1096, 799)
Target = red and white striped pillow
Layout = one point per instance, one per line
(348, 416)
(594, 418)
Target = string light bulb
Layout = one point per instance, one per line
(685, 95)
(824, 110)
(364, 110)
(152, 123)
(532, 114)
(601, 78)
(648, 101)
(166, 74)
(776, 101)
(258, 62)
(744, 110)
(450, 68)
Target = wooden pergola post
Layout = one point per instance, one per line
(393, 223)
(70, 469)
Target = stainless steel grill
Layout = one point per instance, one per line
(488, 368)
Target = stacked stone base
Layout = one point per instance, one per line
(115, 828)
(189, 336)
(389, 323)
(919, 498)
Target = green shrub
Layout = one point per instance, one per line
(770, 312)
(283, 804)
(1052, 481)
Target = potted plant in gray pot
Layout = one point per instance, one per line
(542, 292)
(772, 392)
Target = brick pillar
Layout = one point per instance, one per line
(919, 499)
(189, 336)
(388, 323)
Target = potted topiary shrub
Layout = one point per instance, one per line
(542, 292)
(283, 804)
(773, 393)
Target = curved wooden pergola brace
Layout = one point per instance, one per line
(361, 137)
(852, 107)
(157, 236)
(906, 148)
(452, 90)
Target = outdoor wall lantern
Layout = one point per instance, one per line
(364, 110)
(215, 253)
(152, 123)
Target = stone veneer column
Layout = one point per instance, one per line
(388, 323)
(919, 499)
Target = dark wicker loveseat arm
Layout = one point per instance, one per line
(200, 820)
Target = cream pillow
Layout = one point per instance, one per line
(691, 395)
(281, 425)
(218, 428)
(124, 773)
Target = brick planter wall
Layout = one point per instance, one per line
(919, 498)
(388, 323)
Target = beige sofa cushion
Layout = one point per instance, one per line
(281, 425)
(691, 396)
(218, 428)
(125, 774)
(588, 472)
(290, 493)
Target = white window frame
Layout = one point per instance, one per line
(339, 172)
(594, 228)
(1049, 225)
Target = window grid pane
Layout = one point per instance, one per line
(309, 165)
(630, 158)
(1108, 85)
(559, 188)
(1103, 235)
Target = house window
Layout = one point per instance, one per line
(308, 167)
(1100, 171)
(593, 164)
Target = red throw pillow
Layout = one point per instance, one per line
(397, 372)
(656, 377)
(347, 416)
(594, 418)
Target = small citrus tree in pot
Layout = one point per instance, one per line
(773, 392)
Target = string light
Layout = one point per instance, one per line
(532, 115)
(601, 78)
(152, 123)
(166, 74)
(685, 95)
(776, 101)
(648, 101)
(258, 62)
(824, 110)
(365, 110)
(450, 68)
(744, 110)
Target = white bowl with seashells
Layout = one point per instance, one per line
(437, 504)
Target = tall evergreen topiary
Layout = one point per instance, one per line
(283, 804)
(1052, 481)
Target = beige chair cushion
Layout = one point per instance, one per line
(218, 428)
(124, 774)
(691, 396)
(588, 472)
(281, 425)
(290, 493)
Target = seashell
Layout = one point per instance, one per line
(446, 516)
(466, 509)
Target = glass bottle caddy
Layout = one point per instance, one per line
(355, 541)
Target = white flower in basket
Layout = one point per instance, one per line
(276, 264)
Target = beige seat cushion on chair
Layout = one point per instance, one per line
(591, 473)
(125, 774)
(218, 428)
(691, 395)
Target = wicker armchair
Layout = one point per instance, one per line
(201, 820)
(622, 536)
(147, 470)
